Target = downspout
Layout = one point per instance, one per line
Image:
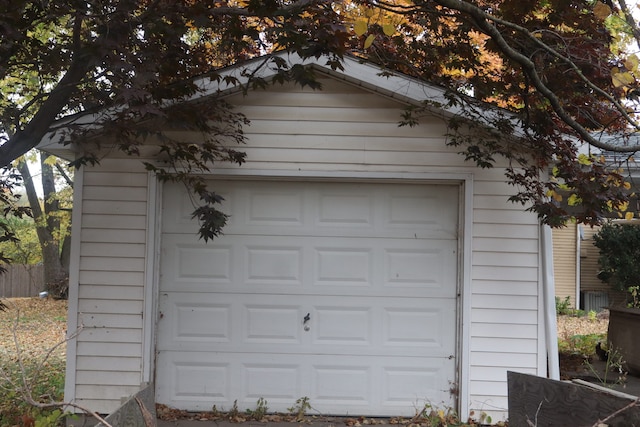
(579, 239)
(548, 295)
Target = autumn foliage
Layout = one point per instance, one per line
(562, 86)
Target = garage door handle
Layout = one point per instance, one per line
(307, 318)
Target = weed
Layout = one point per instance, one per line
(613, 363)
(299, 410)
(216, 412)
(563, 306)
(260, 411)
(234, 412)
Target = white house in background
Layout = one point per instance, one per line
(366, 266)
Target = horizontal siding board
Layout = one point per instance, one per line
(500, 216)
(107, 392)
(492, 373)
(111, 278)
(112, 263)
(504, 330)
(493, 188)
(315, 99)
(111, 320)
(491, 244)
(507, 231)
(489, 202)
(514, 316)
(103, 378)
(109, 349)
(524, 274)
(391, 115)
(124, 222)
(488, 388)
(499, 258)
(505, 302)
(105, 306)
(110, 207)
(126, 179)
(504, 360)
(95, 235)
(113, 335)
(505, 288)
(105, 249)
(504, 345)
(127, 165)
(348, 157)
(431, 144)
(494, 406)
(110, 364)
(114, 193)
(338, 129)
(113, 293)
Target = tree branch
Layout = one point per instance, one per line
(484, 22)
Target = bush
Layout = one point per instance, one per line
(46, 385)
(619, 246)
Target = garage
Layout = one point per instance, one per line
(344, 293)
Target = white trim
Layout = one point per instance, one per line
(548, 360)
(150, 282)
(74, 287)
(465, 227)
(320, 175)
(465, 265)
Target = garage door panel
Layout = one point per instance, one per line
(302, 265)
(383, 210)
(276, 324)
(345, 385)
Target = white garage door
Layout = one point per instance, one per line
(344, 293)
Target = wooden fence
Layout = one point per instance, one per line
(22, 281)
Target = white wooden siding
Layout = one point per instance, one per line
(108, 351)
(343, 129)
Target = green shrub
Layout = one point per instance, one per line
(581, 344)
(46, 384)
(619, 246)
(563, 306)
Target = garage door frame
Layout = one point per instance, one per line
(464, 254)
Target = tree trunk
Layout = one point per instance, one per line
(47, 227)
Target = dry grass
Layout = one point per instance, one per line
(39, 325)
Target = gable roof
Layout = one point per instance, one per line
(355, 71)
